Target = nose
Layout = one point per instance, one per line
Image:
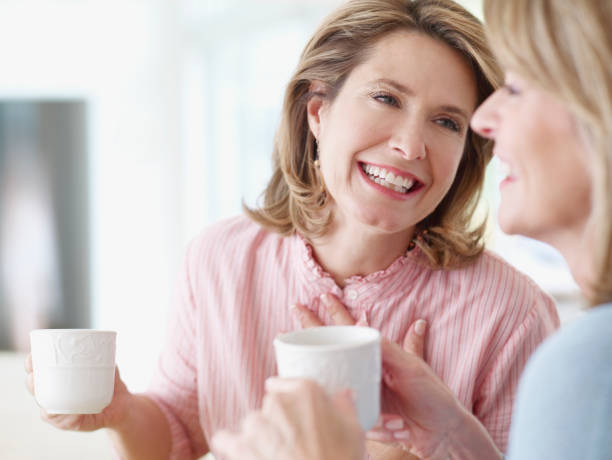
(486, 117)
(409, 140)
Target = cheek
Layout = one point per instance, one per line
(445, 168)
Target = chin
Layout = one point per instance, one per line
(510, 225)
(382, 222)
(385, 225)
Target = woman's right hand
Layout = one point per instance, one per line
(110, 417)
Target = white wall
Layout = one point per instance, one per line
(121, 57)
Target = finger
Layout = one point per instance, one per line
(390, 429)
(28, 363)
(228, 445)
(392, 353)
(337, 311)
(344, 401)
(236, 446)
(30, 383)
(414, 341)
(363, 320)
(305, 316)
(288, 385)
(396, 362)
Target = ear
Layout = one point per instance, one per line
(314, 107)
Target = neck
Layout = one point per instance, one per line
(576, 247)
(347, 250)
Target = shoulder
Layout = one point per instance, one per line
(237, 230)
(493, 267)
(492, 279)
(565, 395)
(230, 239)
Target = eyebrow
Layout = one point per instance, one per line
(404, 89)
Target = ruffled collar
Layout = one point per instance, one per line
(312, 272)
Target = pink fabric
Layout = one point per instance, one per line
(234, 296)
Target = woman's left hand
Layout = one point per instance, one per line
(336, 310)
(385, 442)
(298, 421)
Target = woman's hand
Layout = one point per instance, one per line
(110, 417)
(387, 440)
(298, 421)
(433, 424)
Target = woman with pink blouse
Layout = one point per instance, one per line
(371, 203)
(552, 127)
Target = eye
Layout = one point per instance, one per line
(386, 98)
(449, 123)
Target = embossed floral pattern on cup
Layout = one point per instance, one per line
(77, 348)
(74, 369)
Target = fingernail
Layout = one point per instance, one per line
(394, 424)
(325, 299)
(404, 434)
(420, 327)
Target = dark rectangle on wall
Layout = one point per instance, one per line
(44, 218)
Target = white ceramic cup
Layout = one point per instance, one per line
(74, 369)
(337, 357)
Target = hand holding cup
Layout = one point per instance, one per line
(73, 377)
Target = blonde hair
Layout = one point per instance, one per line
(294, 200)
(566, 47)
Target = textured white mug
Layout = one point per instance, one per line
(337, 357)
(74, 369)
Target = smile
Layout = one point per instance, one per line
(389, 180)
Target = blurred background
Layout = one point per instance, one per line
(125, 127)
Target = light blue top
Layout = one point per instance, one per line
(564, 405)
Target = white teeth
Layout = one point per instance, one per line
(387, 179)
(399, 181)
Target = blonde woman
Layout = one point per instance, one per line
(371, 203)
(552, 126)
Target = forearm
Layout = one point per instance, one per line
(471, 441)
(143, 433)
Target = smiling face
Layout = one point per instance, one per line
(392, 138)
(546, 192)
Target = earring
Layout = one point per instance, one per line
(420, 237)
(317, 162)
(317, 165)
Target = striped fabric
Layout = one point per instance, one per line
(234, 296)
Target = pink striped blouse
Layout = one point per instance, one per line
(234, 296)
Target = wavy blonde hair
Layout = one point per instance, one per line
(566, 47)
(294, 200)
